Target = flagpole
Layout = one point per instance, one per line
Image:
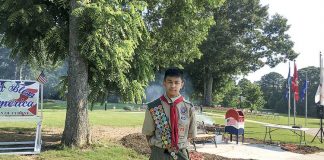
(42, 100)
(289, 105)
(306, 100)
(295, 81)
(294, 109)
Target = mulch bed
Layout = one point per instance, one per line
(295, 148)
(303, 149)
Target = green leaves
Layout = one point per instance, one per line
(242, 40)
(109, 34)
(26, 25)
(253, 95)
(123, 42)
(177, 29)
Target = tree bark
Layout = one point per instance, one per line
(76, 131)
(208, 87)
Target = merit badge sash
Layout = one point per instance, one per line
(162, 124)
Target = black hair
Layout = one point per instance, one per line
(173, 72)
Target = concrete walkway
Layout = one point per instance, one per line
(254, 151)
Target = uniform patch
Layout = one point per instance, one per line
(181, 131)
(183, 110)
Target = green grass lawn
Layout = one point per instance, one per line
(54, 117)
(257, 131)
(97, 152)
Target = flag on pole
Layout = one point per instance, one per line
(295, 83)
(288, 83)
(41, 78)
(319, 98)
(303, 91)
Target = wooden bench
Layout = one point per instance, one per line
(203, 135)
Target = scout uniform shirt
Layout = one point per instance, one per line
(186, 122)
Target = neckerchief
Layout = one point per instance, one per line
(174, 121)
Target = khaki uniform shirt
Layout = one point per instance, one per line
(186, 123)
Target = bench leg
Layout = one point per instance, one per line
(215, 142)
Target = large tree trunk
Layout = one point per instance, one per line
(76, 131)
(208, 90)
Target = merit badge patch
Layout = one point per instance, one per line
(181, 131)
(183, 110)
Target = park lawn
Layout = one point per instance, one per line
(257, 131)
(281, 119)
(97, 152)
(106, 151)
(54, 117)
(114, 118)
(58, 104)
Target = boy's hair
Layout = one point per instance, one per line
(173, 72)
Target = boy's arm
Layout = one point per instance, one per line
(148, 126)
(192, 126)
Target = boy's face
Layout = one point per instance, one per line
(172, 86)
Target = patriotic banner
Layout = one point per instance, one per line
(18, 98)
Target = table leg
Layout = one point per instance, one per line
(270, 135)
(300, 137)
(305, 137)
(265, 135)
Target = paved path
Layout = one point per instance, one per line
(255, 151)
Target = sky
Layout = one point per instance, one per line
(307, 32)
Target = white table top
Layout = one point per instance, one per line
(285, 127)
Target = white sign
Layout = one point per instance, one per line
(18, 98)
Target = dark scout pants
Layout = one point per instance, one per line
(162, 154)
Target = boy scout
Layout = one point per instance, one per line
(170, 121)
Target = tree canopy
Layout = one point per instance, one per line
(243, 39)
(109, 44)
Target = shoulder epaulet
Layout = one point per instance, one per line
(154, 103)
(188, 102)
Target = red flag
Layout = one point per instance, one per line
(295, 83)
